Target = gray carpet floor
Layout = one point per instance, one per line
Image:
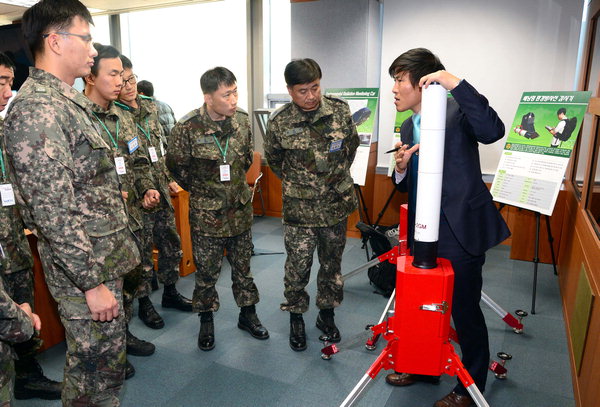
(242, 371)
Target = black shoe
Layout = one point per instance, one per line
(297, 332)
(248, 321)
(148, 314)
(206, 337)
(175, 300)
(30, 382)
(326, 324)
(137, 346)
(129, 370)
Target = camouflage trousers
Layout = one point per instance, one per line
(7, 376)
(95, 360)
(300, 244)
(208, 257)
(19, 286)
(132, 281)
(160, 231)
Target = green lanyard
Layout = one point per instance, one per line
(2, 163)
(223, 153)
(147, 131)
(108, 132)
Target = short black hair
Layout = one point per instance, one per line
(50, 15)
(6, 61)
(126, 62)
(418, 62)
(212, 79)
(301, 71)
(146, 88)
(104, 52)
(562, 110)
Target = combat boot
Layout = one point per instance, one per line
(326, 324)
(138, 347)
(248, 321)
(297, 332)
(148, 314)
(206, 337)
(30, 381)
(172, 299)
(129, 370)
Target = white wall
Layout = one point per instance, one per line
(503, 48)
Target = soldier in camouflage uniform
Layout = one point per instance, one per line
(102, 87)
(67, 186)
(209, 154)
(17, 271)
(310, 145)
(17, 324)
(158, 212)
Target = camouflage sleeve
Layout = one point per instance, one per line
(179, 155)
(142, 174)
(249, 146)
(43, 169)
(15, 324)
(273, 151)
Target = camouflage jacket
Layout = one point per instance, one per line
(120, 133)
(67, 184)
(218, 208)
(15, 325)
(312, 153)
(149, 131)
(15, 254)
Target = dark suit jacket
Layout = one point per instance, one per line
(471, 216)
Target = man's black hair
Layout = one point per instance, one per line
(418, 62)
(146, 88)
(104, 52)
(49, 16)
(126, 62)
(301, 71)
(562, 110)
(6, 61)
(212, 79)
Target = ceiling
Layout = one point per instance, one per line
(9, 12)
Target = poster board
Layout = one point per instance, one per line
(537, 151)
(363, 104)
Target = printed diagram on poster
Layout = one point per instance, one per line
(363, 106)
(537, 151)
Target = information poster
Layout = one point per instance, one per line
(400, 118)
(363, 106)
(537, 151)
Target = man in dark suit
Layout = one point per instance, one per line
(470, 223)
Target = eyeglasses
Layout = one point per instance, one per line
(86, 38)
(132, 80)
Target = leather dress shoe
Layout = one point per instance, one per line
(326, 324)
(297, 333)
(406, 379)
(206, 337)
(454, 400)
(177, 301)
(148, 314)
(30, 382)
(129, 370)
(138, 347)
(248, 321)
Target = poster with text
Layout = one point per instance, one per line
(363, 106)
(537, 151)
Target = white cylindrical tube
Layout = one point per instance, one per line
(431, 172)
